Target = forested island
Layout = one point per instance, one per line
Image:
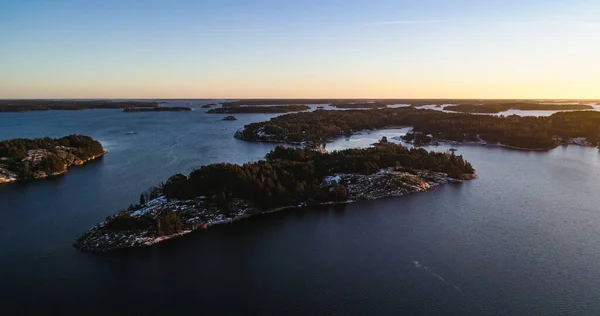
(48, 105)
(359, 105)
(259, 109)
(287, 178)
(158, 109)
(22, 158)
(458, 105)
(493, 103)
(524, 106)
(530, 133)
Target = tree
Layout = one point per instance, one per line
(168, 223)
(142, 199)
(177, 187)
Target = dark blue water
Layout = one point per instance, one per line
(522, 239)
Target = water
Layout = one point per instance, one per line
(522, 239)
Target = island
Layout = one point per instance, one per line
(466, 105)
(229, 118)
(524, 106)
(208, 106)
(527, 133)
(260, 109)
(48, 105)
(288, 178)
(22, 159)
(359, 105)
(157, 109)
(264, 102)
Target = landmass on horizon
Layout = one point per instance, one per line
(294, 105)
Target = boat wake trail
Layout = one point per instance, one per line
(418, 265)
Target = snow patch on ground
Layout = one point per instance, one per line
(333, 179)
(580, 141)
(150, 206)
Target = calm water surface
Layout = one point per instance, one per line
(522, 239)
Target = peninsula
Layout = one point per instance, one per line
(287, 178)
(22, 159)
(528, 133)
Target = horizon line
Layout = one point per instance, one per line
(302, 98)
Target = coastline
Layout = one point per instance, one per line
(577, 141)
(79, 162)
(200, 214)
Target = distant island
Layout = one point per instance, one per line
(528, 133)
(501, 107)
(457, 105)
(22, 159)
(229, 118)
(48, 105)
(359, 105)
(260, 109)
(287, 178)
(496, 103)
(157, 109)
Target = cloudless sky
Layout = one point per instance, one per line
(299, 48)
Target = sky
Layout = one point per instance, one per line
(300, 49)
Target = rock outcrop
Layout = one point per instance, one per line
(30, 167)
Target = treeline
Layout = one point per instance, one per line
(263, 102)
(47, 105)
(413, 102)
(492, 107)
(260, 109)
(523, 132)
(333, 102)
(158, 109)
(293, 175)
(359, 105)
(13, 152)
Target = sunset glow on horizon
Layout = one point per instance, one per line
(313, 49)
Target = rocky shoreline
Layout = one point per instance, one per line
(34, 156)
(200, 213)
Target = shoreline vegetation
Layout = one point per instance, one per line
(430, 126)
(457, 105)
(287, 178)
(359, 105)
(523, 106)
(498, 105)
(49, 105)
(158, 109)
(259, 109)
(24, 159)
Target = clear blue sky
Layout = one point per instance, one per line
(326, 48)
